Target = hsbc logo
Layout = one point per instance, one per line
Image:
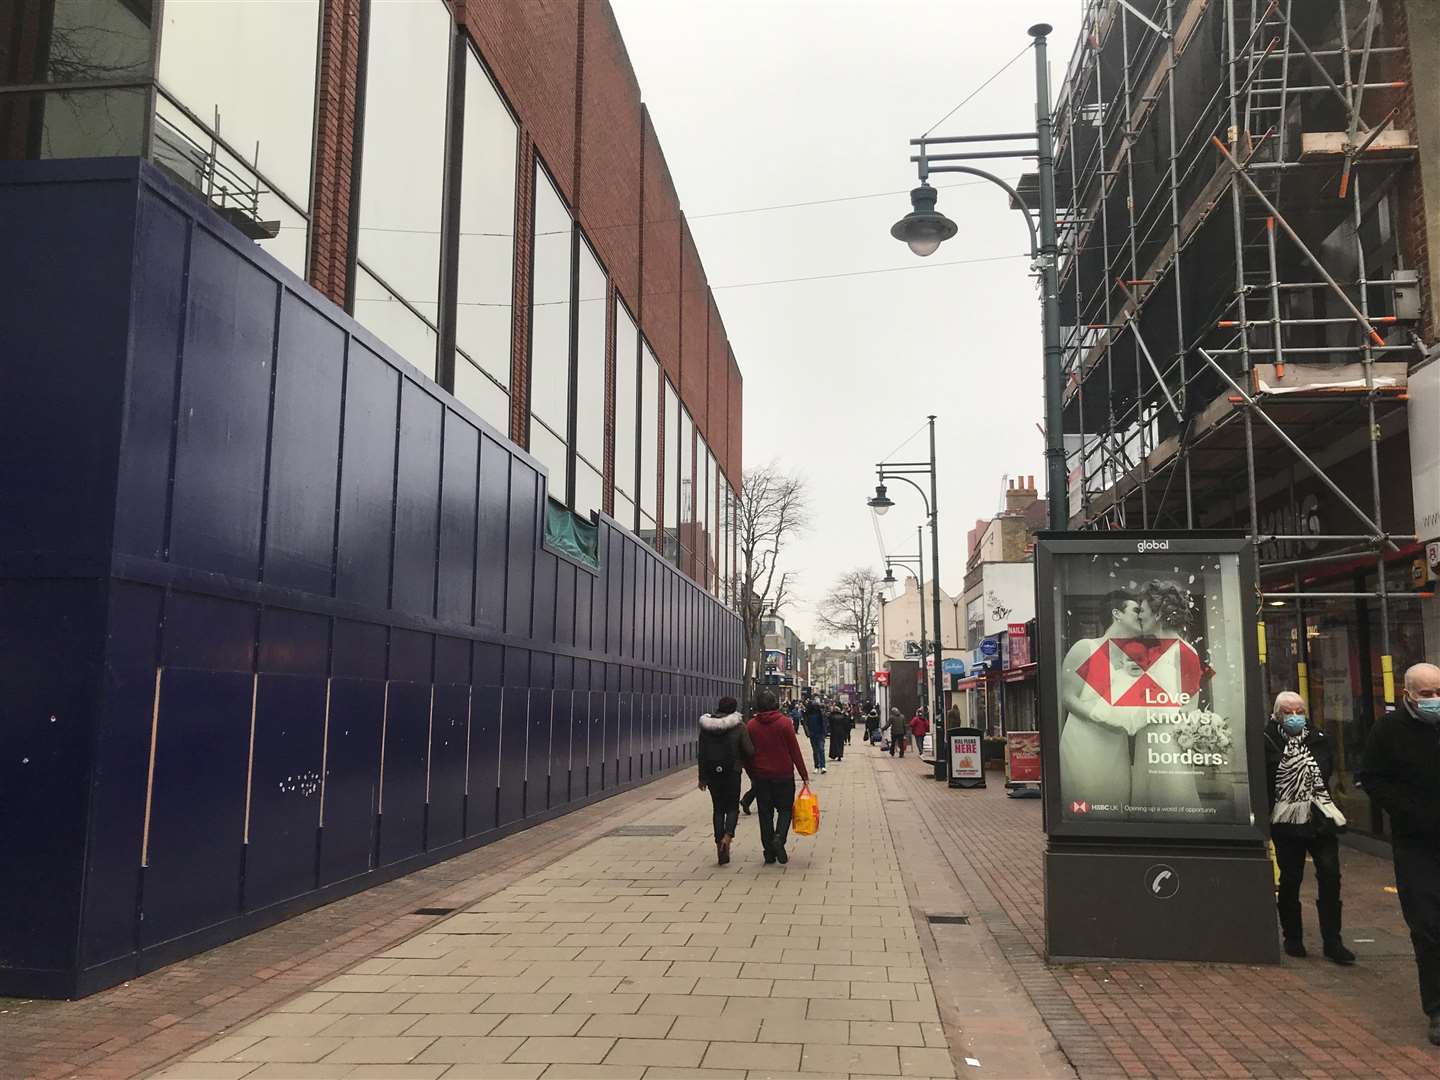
(1079, 807)
(1152, 545)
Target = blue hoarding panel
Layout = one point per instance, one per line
(447, 764)
(523, 542)
(515, 712)
(367, 479)
(162, 243)
(224, 414)
(117, 787)
(304, 449)
(407, 745)
(484, 766)
(456, 590)
(352, 777)
(492, 538)
(417, 501)
(284, 787)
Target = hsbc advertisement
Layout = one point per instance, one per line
(1149, 684)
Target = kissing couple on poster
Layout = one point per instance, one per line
(1121, 694)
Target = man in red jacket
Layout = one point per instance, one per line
(772, 773)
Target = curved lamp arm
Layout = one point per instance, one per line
(900, 476)
(926, 169)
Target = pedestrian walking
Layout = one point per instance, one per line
(724, 749)
(1401, 774)
(839, 732)
(872, 724)
(919, 727)
(897, 732)
(1303, 820)
(772, 771)
(816, 728)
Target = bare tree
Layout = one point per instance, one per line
(852, 607)
(773, 510)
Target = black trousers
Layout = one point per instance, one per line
(724, 791)
(1417, 878)
(837, 746)
(1290, 852)
(776, 799)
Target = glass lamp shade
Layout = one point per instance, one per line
(924, 229)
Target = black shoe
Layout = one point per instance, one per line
(1435, 1028)
(781, 857)
(1295, 947)
(1336, 951)
(769, 859)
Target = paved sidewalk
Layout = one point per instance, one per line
(638, 956)
(1303, 1018)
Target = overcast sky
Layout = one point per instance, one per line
(762, 102)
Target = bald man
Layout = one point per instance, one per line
(1401, 774)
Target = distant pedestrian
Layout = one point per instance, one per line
(724, 749)
(772, 771)
(1401, 774)
(839, 732)
(1303, 820)
(919, 727)
(872, 724)
(897, 732)
(816, 728)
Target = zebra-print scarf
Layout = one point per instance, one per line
(1299, 786)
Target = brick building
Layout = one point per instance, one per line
(372, 443)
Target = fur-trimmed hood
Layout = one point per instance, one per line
(729, 721)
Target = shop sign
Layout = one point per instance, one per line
(965, 760)
(990, 647)
(953, 666)
(1154, 656)
(1019, 645)
(1023, 756)
(882, 678)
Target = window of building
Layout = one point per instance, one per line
(590, 383)
(486, 263)
(550, 333)
(627, 414)
(711, 531)
(671, 478)
(649, 440)
(402, 174)
(684, 455)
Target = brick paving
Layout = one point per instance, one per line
(1305, 1018)
(132, 1028)
(638, 957)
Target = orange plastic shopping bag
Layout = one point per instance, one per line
(805, 814)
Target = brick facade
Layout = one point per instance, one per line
(563, 68)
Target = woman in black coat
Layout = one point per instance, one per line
(724, 749)
(1304, 820)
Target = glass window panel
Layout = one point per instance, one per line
(685, 472)
(208, 62)
(546, 446)
(648, 530)
(56, 41)
(672, 460)
(479, 391)
(402, 173)
(589, 490)
(590, 362)
(649, 431)
(624, 511)
(486, 267)
(185, 149)
(393, 323)
(626, 387)
(72, 124)
(550, 308)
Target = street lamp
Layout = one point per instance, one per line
(924, 229)
(902, 471)
(904, 561)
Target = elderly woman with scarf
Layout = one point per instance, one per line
(1304, 819)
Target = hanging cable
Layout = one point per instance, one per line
(977, 90)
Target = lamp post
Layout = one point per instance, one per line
(924, 229)
(918, 561)
(880, 503)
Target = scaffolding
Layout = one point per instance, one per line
(1234, 293)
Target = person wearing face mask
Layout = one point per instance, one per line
(1401, 774)
(1303, 820)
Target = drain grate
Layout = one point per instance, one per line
(433, 911)
(948, 920)
(897, 800)
(665, 798)
(646, 830)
